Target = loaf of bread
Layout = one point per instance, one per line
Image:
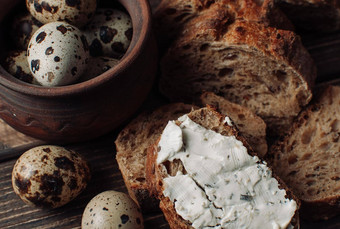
(314, 15)
(206, 176)
(171, 16)
(251, 126)
(132, 143)
(259, 67)
(308, 158)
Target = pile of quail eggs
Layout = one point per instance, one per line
(60, 43)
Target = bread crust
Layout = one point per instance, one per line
(131, 146)
(172, 16)
(257, 11)
(282, 46)
(211, 119)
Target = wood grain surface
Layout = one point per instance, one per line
(100, 153)
(10, 138)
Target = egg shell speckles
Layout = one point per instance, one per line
(75, 12)
(109, 33)
(99, 65)
(23, 27)
(57, 54)
(49, 176)
(111, 209)
(16, 64)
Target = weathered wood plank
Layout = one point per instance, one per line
(11, 138)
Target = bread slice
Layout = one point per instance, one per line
(171, 16)
(259, 67)
(314, 15)
(251, 126)
(132, 143)
(308, 159)
(160, 170)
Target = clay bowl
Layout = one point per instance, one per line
(88, 109)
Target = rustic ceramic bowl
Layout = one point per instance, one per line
(88, 109)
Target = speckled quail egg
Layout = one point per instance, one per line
(57, 54)
(23, 27)
(49, 176)
(16, 64)
(75, 12)
(99, 65)
(111, 209)
(109, 33)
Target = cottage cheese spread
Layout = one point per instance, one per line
(224, 187)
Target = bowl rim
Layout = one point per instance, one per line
(131, 54)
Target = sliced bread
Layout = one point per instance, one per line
(205, 175)
(308, 158)
(251, 126)
(262, 68)
(132, 143)
(315, 15)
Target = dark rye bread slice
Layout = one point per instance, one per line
(251, 126)
(308, 158)
(262, 68)
(171, 16)
(132, 143)
(209, 118)
(314, 15)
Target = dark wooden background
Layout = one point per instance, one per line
(324, 48)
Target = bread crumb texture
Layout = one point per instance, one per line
(308, 159)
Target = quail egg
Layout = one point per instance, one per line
(111, 209)
(23, 28)
(75, 12)
(109, 33)
(16, 64)
(49, 176)
(57, 54)
(99, 65)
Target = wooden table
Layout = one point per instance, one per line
(100, 153)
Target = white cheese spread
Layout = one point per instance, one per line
(228, 121)
(224, 187)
